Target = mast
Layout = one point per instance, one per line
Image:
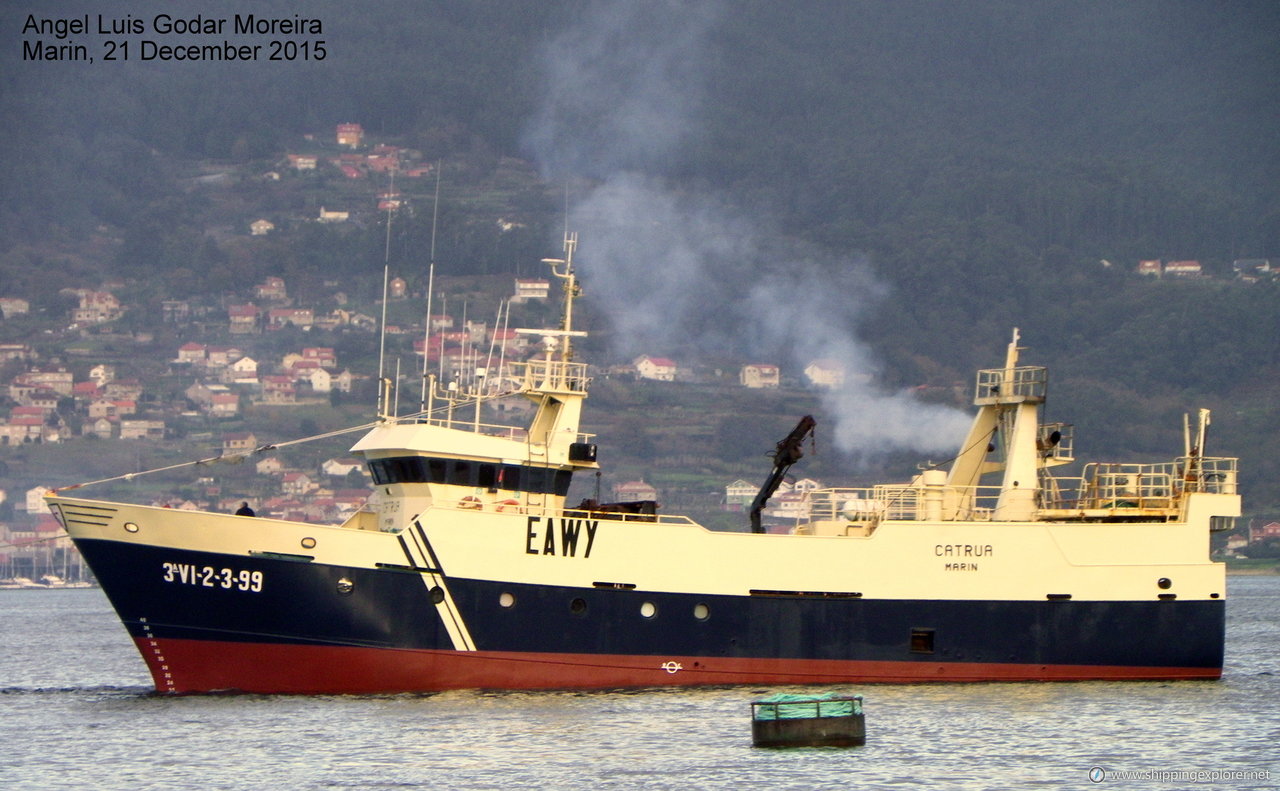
(431, 286)
(383, 393)
(502, 349)
(555, 382)
(563, 269)
(1009, 400)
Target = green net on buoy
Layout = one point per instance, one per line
(784, 706)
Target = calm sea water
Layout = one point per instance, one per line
(77, 712)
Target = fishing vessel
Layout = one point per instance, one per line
(469, 568)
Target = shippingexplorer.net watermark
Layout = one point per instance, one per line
(1098, 774)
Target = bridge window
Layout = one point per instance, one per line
(487, 476)
(437, 470)
(509, 477)
(463, 472)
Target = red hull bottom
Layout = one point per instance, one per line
(187, 666)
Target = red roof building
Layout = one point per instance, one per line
(350, 135)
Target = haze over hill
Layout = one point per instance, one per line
(896, 183)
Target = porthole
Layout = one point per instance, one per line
(437, 595)
(507, 600)
(345, 586)
(649, 609)
(701, 611)
(1164, 583)
(578, 606)
(130, 527)
(308, 543)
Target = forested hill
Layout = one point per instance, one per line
(1137, 128)
(991, 164)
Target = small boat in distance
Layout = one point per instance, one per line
(467, 568)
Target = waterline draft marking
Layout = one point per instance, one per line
(1098, 774)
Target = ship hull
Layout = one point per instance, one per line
(199, 666)
(206, 621)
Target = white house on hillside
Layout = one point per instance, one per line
(825, 373)
(658, 368)
(1183, 269)
(321, 381)
(632, 491)
(530, 288)
(759, 375)
(340, 467)
(739, 494)
(35, 500)
(241, 372)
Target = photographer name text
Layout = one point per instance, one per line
(164, 37)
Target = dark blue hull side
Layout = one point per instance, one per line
(1152, 633)
(163, 594)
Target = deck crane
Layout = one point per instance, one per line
(788, 452)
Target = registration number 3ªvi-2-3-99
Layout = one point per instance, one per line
(210, 577)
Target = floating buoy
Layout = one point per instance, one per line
(831, 720)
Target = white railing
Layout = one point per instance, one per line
(513, 506)
(1161, 485)
(487, 429)
(555, 375)
(1002, 385)
(904, 502)
(1102, 487)
(1105, 486)
(1212, 474)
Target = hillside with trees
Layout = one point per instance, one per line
(987, 164)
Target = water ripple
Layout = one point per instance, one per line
(95, 723)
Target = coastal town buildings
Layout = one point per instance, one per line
(272, 345)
